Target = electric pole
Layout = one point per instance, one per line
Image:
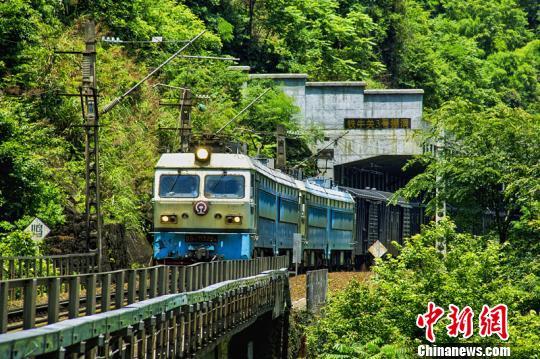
(89, 104)
(185, 104)
(440, 213)
(90, 113)
(281, 149)
(185, 121)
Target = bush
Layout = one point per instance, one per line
(16, 242)
(379, 318)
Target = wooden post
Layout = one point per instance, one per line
(163, 280)
(119, 294)
(4, 293)
(153, 282)
(182, 284)
(74, 288)
(174, 280)
(189, 278)
(29, 305)
(316, 288)
(132, 282)
(142, 284)
(91, 282)
(105, 292)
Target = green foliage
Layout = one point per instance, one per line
(41, 141)
(372, 349)
(478, 62)
(27, 151)
(23, 25)
(317, 37)
(225, 29)
(309, 36)
(449, 48)
(475, 271)
(489, 161)
(299, 320)
(514, 76)
(16, 242)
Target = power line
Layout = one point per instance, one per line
(322, 149)
(155, 40)
(235, 59)
(204, 97)
(243, 110)
(117, 100)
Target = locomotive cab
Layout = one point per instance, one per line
(202, 207)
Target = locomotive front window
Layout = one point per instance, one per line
(178, 186)
(224, 186)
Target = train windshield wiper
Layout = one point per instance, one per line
(224, 174)
(173, 184)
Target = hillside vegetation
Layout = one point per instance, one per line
(477, 60)
(482, 52)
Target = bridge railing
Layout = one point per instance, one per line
(175, 325)
(45, 266)
(49, 300)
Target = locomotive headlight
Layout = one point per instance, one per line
(168, 218)
(202, 154)
(234, 219)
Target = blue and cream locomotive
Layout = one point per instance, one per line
(230, 206)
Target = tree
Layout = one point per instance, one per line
(473, 272)
(27, 151)
(485, 153)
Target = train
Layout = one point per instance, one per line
(213, 206)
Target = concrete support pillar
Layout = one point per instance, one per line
(222, 350)
(267, 338)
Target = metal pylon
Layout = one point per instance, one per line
(89, 104)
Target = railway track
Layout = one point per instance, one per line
(15, 317)
(34, 302)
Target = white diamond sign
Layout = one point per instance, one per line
(377, 249)
(38, 229)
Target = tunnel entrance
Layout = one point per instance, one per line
(383, 173)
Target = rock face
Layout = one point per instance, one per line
(125, 248)
(121, 248)
(64, 244)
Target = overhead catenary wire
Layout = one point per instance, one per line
(110, 41)
(322, 149)
(235, 59)
(117, 100)
(243, 110)
(180, 88)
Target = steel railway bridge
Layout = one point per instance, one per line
(224, 309)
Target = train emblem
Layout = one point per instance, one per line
(200, 208)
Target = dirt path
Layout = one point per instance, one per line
(337, 281)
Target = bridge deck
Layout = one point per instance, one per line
(29, 302)
(171, 325)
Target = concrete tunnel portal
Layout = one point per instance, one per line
(370, 134)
